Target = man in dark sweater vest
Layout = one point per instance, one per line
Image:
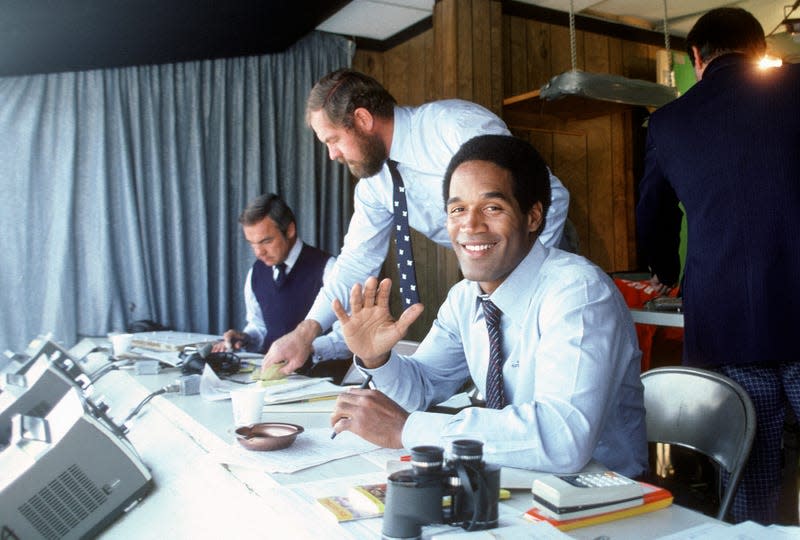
(283, 282)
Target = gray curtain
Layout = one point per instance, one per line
(122, 189)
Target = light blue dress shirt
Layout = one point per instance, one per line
(326, 347)
(424, 140)
(571, 372)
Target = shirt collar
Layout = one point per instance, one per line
(400, 150)
(294, 253)
(511, 294)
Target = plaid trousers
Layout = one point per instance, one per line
(770, 388)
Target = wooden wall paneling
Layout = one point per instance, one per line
(539, 68)
(596, 53)
(622, 180)
(369, 62)
(429, 66)
(634, 139)
(465, 74)
(481, 53)
(638, 61)
(624, 224)
(560, 52)
(543, 142)
(445, 27)
(599, 186)
(395, 73)
(527, 55)
(599, 195)
(570, 166)
(416, 73)
(496, 57)
(515, 56)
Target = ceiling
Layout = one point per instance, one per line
(381, 19)
(70, 35)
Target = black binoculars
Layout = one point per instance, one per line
(462, 491)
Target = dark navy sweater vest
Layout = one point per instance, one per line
(284, 306)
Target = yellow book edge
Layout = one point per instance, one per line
(604, 518)
(348, 508)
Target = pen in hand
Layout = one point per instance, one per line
(364, 385)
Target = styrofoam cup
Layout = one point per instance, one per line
(120, 343)
(247, 405)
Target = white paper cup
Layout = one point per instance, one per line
(120, 343)
(247, 405)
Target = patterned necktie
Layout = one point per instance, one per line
(402, 240)
(495, 393)
(281, 275)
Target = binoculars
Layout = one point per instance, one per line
(419, 496)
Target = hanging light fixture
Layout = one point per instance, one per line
(605, 87)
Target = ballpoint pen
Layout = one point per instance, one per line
(363, 386)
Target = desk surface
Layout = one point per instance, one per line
(194, 496)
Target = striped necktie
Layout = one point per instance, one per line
(402, 240)
(495, 393)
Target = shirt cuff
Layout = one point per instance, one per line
(327, 348)
(254, 341)
(424, 428)
(388, 372)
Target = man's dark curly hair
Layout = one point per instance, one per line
(529, 173)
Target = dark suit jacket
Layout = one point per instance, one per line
(729, 149)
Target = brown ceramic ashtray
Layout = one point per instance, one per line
(268, 435)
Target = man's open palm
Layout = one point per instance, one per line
(370, 330)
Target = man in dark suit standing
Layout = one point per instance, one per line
(728, 149)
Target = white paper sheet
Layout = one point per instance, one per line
(312, 447)
(292, 388)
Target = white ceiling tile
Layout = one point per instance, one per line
(377, 20)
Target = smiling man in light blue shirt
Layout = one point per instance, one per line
(570, 371)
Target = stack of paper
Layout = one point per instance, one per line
(300, 388)
(291, 389)
(172, 341)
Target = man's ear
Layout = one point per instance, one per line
(699, 66)
(534, 216)
(363, 119)
(291, 231)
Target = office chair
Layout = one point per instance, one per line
(704, 411)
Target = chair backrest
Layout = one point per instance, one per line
(704, 411)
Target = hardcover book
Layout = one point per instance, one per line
(361, 502)
(653, 498)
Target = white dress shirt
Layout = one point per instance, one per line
(327, 346)
(571, 371)
(424, 140)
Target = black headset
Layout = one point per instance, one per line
(223, 363)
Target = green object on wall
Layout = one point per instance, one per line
(684, 79)
(683, 70)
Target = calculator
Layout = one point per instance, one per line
(563, 494)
